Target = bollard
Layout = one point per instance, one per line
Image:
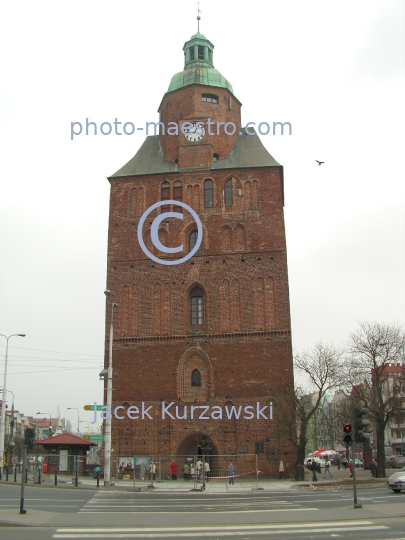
(56, 478)
(1, 474)
(77, 472)
(26, 475)
(39, 476)
(7, 473)
(98, 480)
(15, 474)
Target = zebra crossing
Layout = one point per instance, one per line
(358, 528)
(125, 503)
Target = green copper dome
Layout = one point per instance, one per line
(199, 66)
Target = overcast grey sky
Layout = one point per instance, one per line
(334, 70)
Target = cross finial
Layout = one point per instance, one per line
(198, 15)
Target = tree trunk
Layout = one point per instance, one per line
(299, 467)
(380, 449)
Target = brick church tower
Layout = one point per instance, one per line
(212, 335)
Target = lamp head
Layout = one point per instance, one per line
(107, 293)
(21, 335)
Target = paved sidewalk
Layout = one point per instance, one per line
(214, 485)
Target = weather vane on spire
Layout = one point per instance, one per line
(198, 15)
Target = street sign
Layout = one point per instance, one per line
(93, 437)
(91, 407)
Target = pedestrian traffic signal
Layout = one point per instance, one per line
(347, 430)
(29, 436)
(362, 429)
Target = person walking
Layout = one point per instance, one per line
(339, 462)
(231, 473)
(351, 468)
(327, 469)
(207, 470)
(373, 468)
(281, 470)
(344, 462)
(313, 469)
(152, 470)
(192, 472)
(174, 469)
(186, 472)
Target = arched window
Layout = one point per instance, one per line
(193, 239)
(178, 196)
(208, 198)
(165, 196)
(197, 306)
(196, 378)
(228, 192)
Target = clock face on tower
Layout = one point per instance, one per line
(195, 132)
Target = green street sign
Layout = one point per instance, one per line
(91, 407)
(93, 437)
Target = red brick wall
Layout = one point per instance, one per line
(185, 105)
(243, 349)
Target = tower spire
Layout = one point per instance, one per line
(198, 16)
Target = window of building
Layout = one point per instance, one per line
(196, 378)
(208, 194)
(228, 192)
(259, 447)
(193, 239)
(197, 306)
(191, 53)
(210, 98)
(200, 52)
(178, 196)
(165, 196)
(216, 157)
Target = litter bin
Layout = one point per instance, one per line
(45, 467)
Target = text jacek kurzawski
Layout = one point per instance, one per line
(187, 412)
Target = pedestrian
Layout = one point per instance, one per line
(192, 472)
(344, 462)
(186, 472)
(231, 473)
(327, 469)
(339, 462)
(152, 470)
(207, 470)
(199, 469)
(174, 469)
(351, 468)
(281, 470)
(313, 469)
(373, 468)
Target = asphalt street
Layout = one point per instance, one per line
(86, 513)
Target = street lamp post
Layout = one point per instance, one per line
(78, 417)
(3, 405)
(107, 426)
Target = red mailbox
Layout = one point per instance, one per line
(45, 466)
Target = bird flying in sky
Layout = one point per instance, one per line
(319, 162)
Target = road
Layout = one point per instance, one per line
(71, 513)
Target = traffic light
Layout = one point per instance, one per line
(347, 430)
(204, 443)
(29, 436)
(362, 431)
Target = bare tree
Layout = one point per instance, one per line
(320, 371)
(377, 376)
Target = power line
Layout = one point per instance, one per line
(56, 352)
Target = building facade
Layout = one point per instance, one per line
(206, 344)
